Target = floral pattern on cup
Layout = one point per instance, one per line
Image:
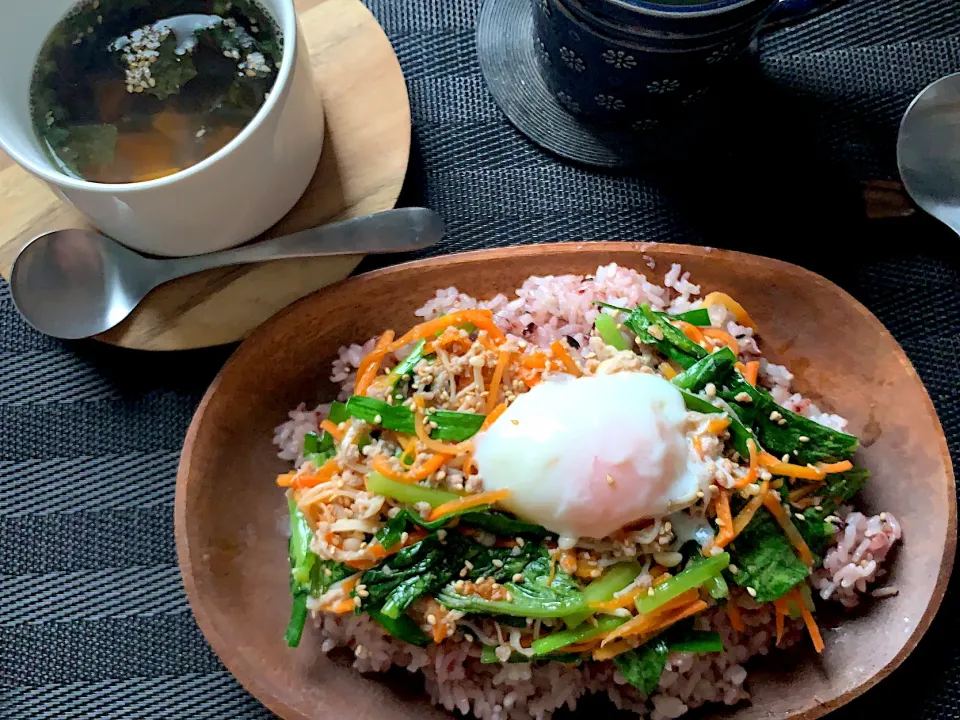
(568, 102)
(662, 87)
(609, 102)
(572, 60)
(544, 53)
(620, 59)
(721, 54)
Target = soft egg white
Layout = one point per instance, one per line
(586, 456)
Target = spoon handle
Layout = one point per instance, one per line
(398, 230)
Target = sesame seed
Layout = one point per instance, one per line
(733, 569)
(517, 577)
(468, 637)
(463, 573)
(357, 601)
(515, 422)
(743, 396)
(432, 619)
(803, 438)
(785, 458)
(799, 516)
(328, 572)
(699, 493)
(404, 536)
(468, 565)
(655, 332)
(650, 592)
(883, 516)
(751, 592)
(497, 563)
(781, 421)
(520, 541)
(377, 419)
(441, 534)
(610, 480)
(359, 649)
(710, 390)
(774, 416)
(818, 507)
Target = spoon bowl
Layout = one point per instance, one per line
(74, 284)
(928, 150)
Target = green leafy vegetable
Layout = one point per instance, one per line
(90, 145)
(838, 489)
(673, 335)
(766, 560)
(717, 587)
(170, 71)
(298, 618)
(739, 434)
(504, 525)
(338, 413)
(822, 443)
(559, 640)
(609, 332)
(454, 426)
(643, 667)
(699, 317)
(613, 580)
(402, 628)
(692, 577)
(639, 323)
(712, 368)
(531, 597)
(408, 363)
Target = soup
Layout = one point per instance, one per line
(125, 92)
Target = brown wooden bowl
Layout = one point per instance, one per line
(230, 516)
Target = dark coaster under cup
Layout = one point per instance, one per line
(507, 50)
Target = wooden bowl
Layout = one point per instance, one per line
(230, 516)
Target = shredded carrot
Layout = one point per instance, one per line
(719, 298)
(561, 353)
(754, 470)
(691, 331)
(331, 427)
(780, 607)
(698, 445)
(718, 425)
(802, 492)
(493, 415)
(568, 562)
(468, 501)
(620, 601)
(668, 370)
(582, 646)
(837, 467)
(553, 570)
(752, 370)
(801, 472)
(724, 337)
(744, 517)
(646, 624)
(439, 632)
(370, 365)
(483, 319)
(330, 468)
(771, 501)
(424, 435)
(724, 518)
(808, 620)
(534, 360)
(733, 612)
(613, 649)
(286, 479)
(341, 607)
(382, 465)
(494, 389)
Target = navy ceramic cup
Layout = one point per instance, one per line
(635, 64)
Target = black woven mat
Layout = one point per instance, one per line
(93, 620)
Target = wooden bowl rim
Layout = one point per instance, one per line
(234, 660)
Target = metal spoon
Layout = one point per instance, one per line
(928, 150)
(77, 283)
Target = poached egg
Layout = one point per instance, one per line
(584, 457)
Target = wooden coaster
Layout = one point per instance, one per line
(361, 171)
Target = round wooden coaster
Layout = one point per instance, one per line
(361, 171)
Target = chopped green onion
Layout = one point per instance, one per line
(556, 641)
(609, 332)
(615, 579)
(405, 492)
(402, 628)
(407, 364)
(454, 426)
(717, 587)
(338, 413)
(673, 335)
(693, 577)
(298, 618)
(713, 368)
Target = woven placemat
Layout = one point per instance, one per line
(93, 620)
